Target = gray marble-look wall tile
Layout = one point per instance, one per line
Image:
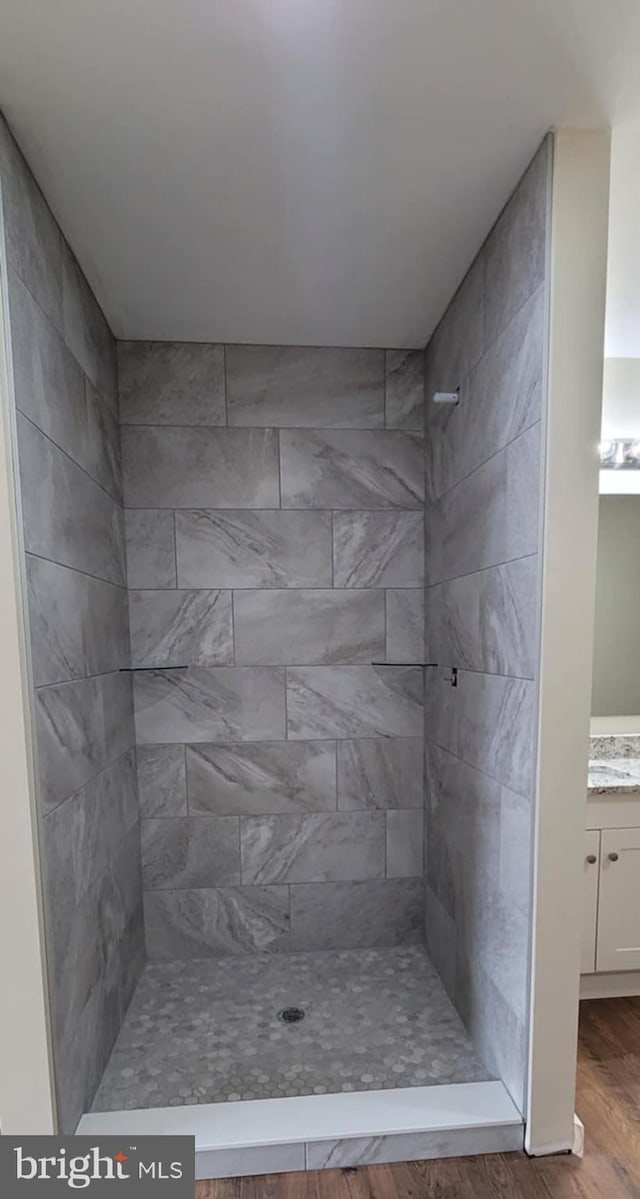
(259, 1159)
(404, 844)
(378, 549)
(86, 331)
(103, 461)
(516, 839)
(253, 549)
(380, 773)
(216, 923)
(162, 785)
(81, 727)
(89, 1007)
(34, 244)
(261, 779)
(305, 386)
(463, 816)
(78, 624)
(190, 853)
(440, 939)
(501, 398)
(489, 722)
(75, 960)
(82, 836)
(515, 252)
(404, 389)
(492, 516)
(487, 620)
(356, 915)
(52, 391)
(496, 932)
(48, 382)
(353, 701)
(458, 341)
(324, 847)
(67, 517)
(405, 625)
(498, 1035)
(171, 383)
(69, 460)
(166, 467)
(413, 1146)
(180, 628)
(80, 1055)
(296, 627)
(351, 469)
(210, 703)
(150, 545)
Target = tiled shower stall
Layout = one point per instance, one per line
(230, 551)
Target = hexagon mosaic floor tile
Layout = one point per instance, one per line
(211, 1031)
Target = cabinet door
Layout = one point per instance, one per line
(589, 902)
(619, 900)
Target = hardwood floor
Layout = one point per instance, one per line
(608, 1103)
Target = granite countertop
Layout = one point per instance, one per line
(614, 776)
(614, 765)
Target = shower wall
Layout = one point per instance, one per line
(483, 467)
(274, 524)
(64, 379)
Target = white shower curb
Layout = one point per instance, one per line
(311, 1132)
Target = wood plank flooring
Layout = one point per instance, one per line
(608, 1103)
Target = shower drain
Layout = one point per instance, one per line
(291, 1015)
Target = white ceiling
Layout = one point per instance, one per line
(302, 171)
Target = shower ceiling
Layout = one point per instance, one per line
(293, 171)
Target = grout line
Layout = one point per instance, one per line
(186, 782)
(342, 592)
(257, 510)
(352, 882)
(479, 770)
(82, 678)
(480, 570)
(428, 505)
(385, 419)
(60, 331)
(76, 570)
(286, 706)
(308, 430)
(175, 553)
(293, 665)
(279, 472)
(233, 629)
(197, 745)
(94, 777)
(118, 501)
(224, 384)
(491, 674)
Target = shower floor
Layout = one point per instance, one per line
(209, 1031)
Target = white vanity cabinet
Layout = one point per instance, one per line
(619, 900)
(611, 894)
(591, 867)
